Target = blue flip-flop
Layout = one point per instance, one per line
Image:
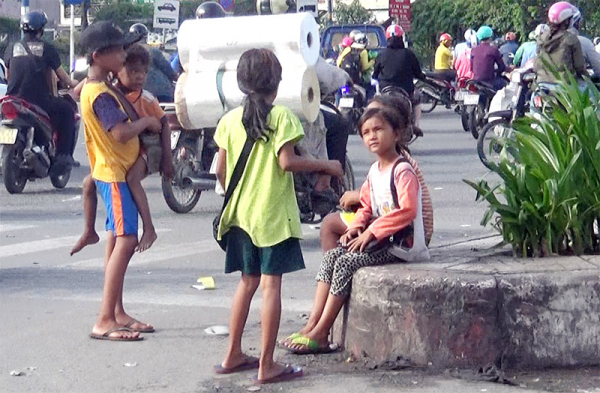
(250, 364)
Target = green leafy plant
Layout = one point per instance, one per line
(548, 200)
(352, 13)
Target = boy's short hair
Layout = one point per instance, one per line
(137, 53)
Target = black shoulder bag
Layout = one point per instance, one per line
(233, 182)
(398, 237)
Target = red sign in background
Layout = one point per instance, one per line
(400, 9)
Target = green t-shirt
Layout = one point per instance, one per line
(264, 201)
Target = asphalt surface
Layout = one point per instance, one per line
(49, 300)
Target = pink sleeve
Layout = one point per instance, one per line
(363, 215)
(407, 187)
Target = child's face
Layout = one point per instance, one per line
(379, 136)
(111, 60)
(133, 76)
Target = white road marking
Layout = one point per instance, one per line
(75, 198)
(23, 248)
(157, 253)
(15, 227)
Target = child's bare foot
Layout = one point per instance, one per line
(148, 238)
(87, 239)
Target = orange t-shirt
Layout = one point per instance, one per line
(145, 104)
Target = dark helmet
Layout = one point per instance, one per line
(210, 9)
(140, 30)
(34, 21)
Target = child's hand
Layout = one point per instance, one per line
(334, 168)
(154, 125)
(349, 235)
(349, 199)
(360, 243)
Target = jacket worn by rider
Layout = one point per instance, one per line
(563, 51)
(484, 59)
(397, 67)
(28, 68)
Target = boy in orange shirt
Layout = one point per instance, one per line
(155, 153)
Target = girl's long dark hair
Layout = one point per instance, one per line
(400, 104)
(258, 75)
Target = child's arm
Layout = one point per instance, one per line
(125, 131)
(362, 218)
(222, 166)
(289, 161)
(407, 188)
(167, 156)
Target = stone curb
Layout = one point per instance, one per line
(474, 309)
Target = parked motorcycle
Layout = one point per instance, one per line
(509, 104)
(194, 153)
(352, 103)
(29, 144)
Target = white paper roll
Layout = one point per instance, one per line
(204, 44)
(199, 106)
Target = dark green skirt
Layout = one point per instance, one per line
(242, 255)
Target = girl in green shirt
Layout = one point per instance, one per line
(261, 223)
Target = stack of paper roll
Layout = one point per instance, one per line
(209, 51)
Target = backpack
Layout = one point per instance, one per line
(351, 64)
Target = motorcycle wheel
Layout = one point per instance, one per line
(473, 116)
(490, 142)
(428, 103)
(464, 118)
(60, 181)
(181, 199)
(13, 177)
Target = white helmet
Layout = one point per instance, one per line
(360, 41)
(469, 34)
(541, 29)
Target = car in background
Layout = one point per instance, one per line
(333, 35)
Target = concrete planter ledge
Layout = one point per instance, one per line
(467, 311)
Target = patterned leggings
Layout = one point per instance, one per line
(339, 266)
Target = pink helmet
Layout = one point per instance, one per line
(394, 31)
(347, 42)
(560, 12)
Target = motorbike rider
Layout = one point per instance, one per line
(559, 46)
(355, 60)
(398, 66)
(462, 64)
(462, 47)
(444, 59)
(160, 74)
(487, 62)
(528, 50)
(592, 58)
(509, 48)
(30, 66)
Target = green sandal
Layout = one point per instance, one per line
(284, 343)
(311, 347)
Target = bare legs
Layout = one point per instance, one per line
(90, 205)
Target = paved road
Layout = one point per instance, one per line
(49, 300)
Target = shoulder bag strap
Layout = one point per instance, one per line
(238, 171)
(393, 183)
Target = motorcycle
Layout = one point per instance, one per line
(434, 90)
(477, 103)
(29, 144)
(352, 103)
(194, 159)
(508, 105)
